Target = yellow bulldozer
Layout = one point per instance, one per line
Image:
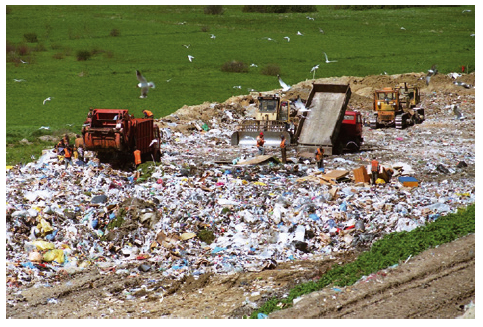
(274, 117)
(396, 107)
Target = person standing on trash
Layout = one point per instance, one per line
(319, 157)
(148, 114)
(80, 153)
(283, 149)
(374, 170)
(67, 155)
(260, 143)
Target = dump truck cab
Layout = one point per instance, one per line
(351, 131)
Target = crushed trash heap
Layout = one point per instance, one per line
(209, 207)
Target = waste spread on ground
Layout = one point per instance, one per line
(209, 207)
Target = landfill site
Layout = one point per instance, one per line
(213, 230)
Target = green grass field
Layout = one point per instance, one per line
(152, 38)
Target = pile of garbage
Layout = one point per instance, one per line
(205, 209)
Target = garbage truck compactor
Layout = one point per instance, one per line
(114, 134)
(326, 123)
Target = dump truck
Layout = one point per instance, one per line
(326, 122)
(396, 107)
(115, 134)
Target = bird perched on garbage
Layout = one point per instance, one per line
(431, 72)
(285, 87)
(143, 84)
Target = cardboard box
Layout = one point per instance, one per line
(361, 175)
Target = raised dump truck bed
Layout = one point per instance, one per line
(322, 124)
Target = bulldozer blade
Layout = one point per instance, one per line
(250, 138)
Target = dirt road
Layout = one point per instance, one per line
(436, 284)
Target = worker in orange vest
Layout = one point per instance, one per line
(374, 170)
(283, 149)
(148, 114)
(260, 143)
(137, 157)
(319, 157)
(67, 155)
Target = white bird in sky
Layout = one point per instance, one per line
(23, 62)
(46, 99)
(402, 27)
(190, 58)
(143, 84)
(431, 72)
(466, 10)
(213, 36)
(313, 70)
(186, 45)
(18, 80)
(152, 142)
(237, 87)
(268, 38)
(253, 65)
(44, 127)
(299, 33)
(321, 31)
(287, 38)
(285, 87)
(327, 59)
(310, 18)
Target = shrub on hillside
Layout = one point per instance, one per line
(205, 28)
(31, 37)
(279, 9)
(214, 10)
(22, 49)
(83, 55)
(271, 70)
(115, 32)
(58, 55)
(234, 67)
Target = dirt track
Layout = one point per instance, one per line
(436, 284)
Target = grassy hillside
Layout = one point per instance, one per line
(121, 39)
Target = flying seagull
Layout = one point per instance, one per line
(284, 86)
(327, 59)
(213, 36)
(186, 45)
(466, 10)
(321, 31)
(23, 62)
(310, 18)
(313, 70)
(431, 72)
(299, 33)
(190, 58)
(253, 65)
(18, 80)
(300, 105)
(44, 127)
(268, 38)
(143, 84)
(47, 99)
(286, 37)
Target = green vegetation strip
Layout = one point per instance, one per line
(388, 251)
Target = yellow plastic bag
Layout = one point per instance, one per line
(43, 245)
(44, 226)
(380, 181)
(54, 255)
